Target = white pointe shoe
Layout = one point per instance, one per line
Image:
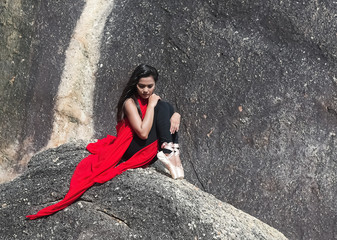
(178, 165)
(168, 160)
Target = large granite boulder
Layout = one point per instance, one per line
(17, 24)
(255, 82)
(138, 204)
(34, 36)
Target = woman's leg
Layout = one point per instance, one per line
(168, 143)
(163, 114)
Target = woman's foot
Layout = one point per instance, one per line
(168, 159)
(178, 165)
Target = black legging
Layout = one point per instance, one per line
(160, 130)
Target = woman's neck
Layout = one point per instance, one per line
(142, 100)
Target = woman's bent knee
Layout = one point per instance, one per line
(164, 108)
(163, 105)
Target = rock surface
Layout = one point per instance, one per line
(255, 82)
(17, 20)
(139, 204)
(33, 36)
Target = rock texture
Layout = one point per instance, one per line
(139, 204)
(74, 100)
(17, 20)
(255, 82)
(34, 37)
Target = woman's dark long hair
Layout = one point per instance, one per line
(130, 90)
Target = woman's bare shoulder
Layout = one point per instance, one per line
(129, 101)
(129, 105)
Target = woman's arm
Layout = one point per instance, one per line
(175, 122)
(141, 127)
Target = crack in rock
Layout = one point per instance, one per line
(105, 211)
(332, 111)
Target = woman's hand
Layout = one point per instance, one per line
(153, 100)
(175, 122)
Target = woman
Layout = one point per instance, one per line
(158, 122)
(144, 124)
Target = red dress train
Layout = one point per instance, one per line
(101, 165)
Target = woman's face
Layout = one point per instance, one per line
(145, 87)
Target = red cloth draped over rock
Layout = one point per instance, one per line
(101, 165)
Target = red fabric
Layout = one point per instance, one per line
(100, 166)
